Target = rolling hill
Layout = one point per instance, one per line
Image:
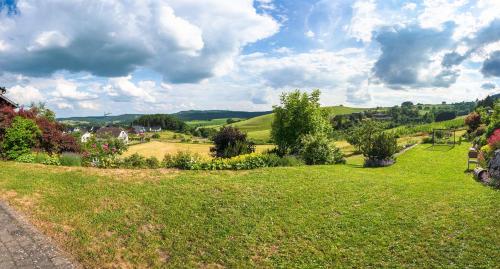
(259, 128)
(216, 114)
(190, 115)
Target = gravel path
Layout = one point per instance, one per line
(22, 246)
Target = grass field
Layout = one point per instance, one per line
(208, 123)
(423, 212)
(259, 128)
(159, 149)
(427, 128)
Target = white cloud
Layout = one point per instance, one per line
(25, 95)
(410, 6)
(184, 40)
(364, 20)
(87, 105)
(68, 90)
(122, 89)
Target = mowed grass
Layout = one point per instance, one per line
(423, 212)
(159, 149)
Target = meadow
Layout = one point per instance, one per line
(158, 149)
(422, 212)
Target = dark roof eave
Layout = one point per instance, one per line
(9, 101)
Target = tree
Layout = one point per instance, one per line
(407, 104)
(166, 122)
(300, 114)
(20, 137)
(445, 115)
(362, 133)
(230, 142)
(52, 138)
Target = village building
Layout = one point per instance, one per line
(115, 132)
(85, 137)
(4, 101)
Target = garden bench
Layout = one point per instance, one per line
(472, 158)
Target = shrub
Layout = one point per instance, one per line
(49, 159)
(381, 146)
(317, 150)
(230, 142)
(242, 162)
(26, 158)
(134, 161)
(102, 152)
(445, 115)
(300, 114)
(70, 159)
(290, 160)
(494, 140)
(152, 162)
(156, 136)
(183, 160)
(189, 161)
(473, 121)
(427, 140)
(20, 138)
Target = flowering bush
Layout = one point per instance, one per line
(102, 152)
(494, 139)
(189, 161)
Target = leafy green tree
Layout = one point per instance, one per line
(298, 115)
(362, 133)
(20, 137)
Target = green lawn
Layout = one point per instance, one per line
(422, 212)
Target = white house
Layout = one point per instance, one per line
(85, 137)
(114, 132)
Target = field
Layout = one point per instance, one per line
(208, 123)
(423, 212)
(259, 128)
(159, 149)
(457, 123)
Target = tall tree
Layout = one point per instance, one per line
(298, 115)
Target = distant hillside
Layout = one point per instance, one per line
(190, 115)
(100, 120)
(216, 114)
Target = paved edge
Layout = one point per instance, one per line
(58, 257)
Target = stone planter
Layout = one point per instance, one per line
(379, 163)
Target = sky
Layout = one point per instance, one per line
(89, 57)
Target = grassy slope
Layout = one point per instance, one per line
(259, 128)
(427, 128)
(422, 212)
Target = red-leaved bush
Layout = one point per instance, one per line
(52, 140)
(473, 120)
(494, 139)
